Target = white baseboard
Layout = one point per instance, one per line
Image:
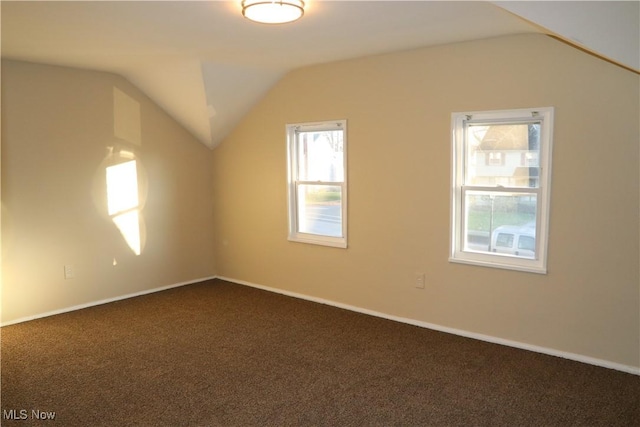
(488, 338)
(104, 301)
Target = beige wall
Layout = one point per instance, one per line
(58, 122)
(57, 125)
(398, 108)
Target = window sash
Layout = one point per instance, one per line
(326, 217)
(496, 192)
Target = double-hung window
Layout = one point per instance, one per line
(317, 179)
(500, 188)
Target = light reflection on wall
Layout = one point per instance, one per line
(120, 183)
(123, 202)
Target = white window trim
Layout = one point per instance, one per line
(292, 167)
(458, 121)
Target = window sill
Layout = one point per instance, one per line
(532, 268)
(319, 240)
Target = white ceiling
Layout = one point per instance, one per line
(207, 66)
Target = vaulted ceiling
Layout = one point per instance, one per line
(207, 66)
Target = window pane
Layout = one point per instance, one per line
(321, 156)
(506, 155)
(502, 223)
(320, 210)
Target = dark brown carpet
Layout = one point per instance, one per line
(220, 354)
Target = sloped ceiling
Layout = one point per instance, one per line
(207, 66)
(610, 29)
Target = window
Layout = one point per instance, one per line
(318, 183)
(494, 158)
(500, 188)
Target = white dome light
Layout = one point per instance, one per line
(273, 11)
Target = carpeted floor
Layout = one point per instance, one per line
(221, 354)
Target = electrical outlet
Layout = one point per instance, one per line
(68, 272)
(420, 280)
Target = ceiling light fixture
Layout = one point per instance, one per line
(273, 11)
